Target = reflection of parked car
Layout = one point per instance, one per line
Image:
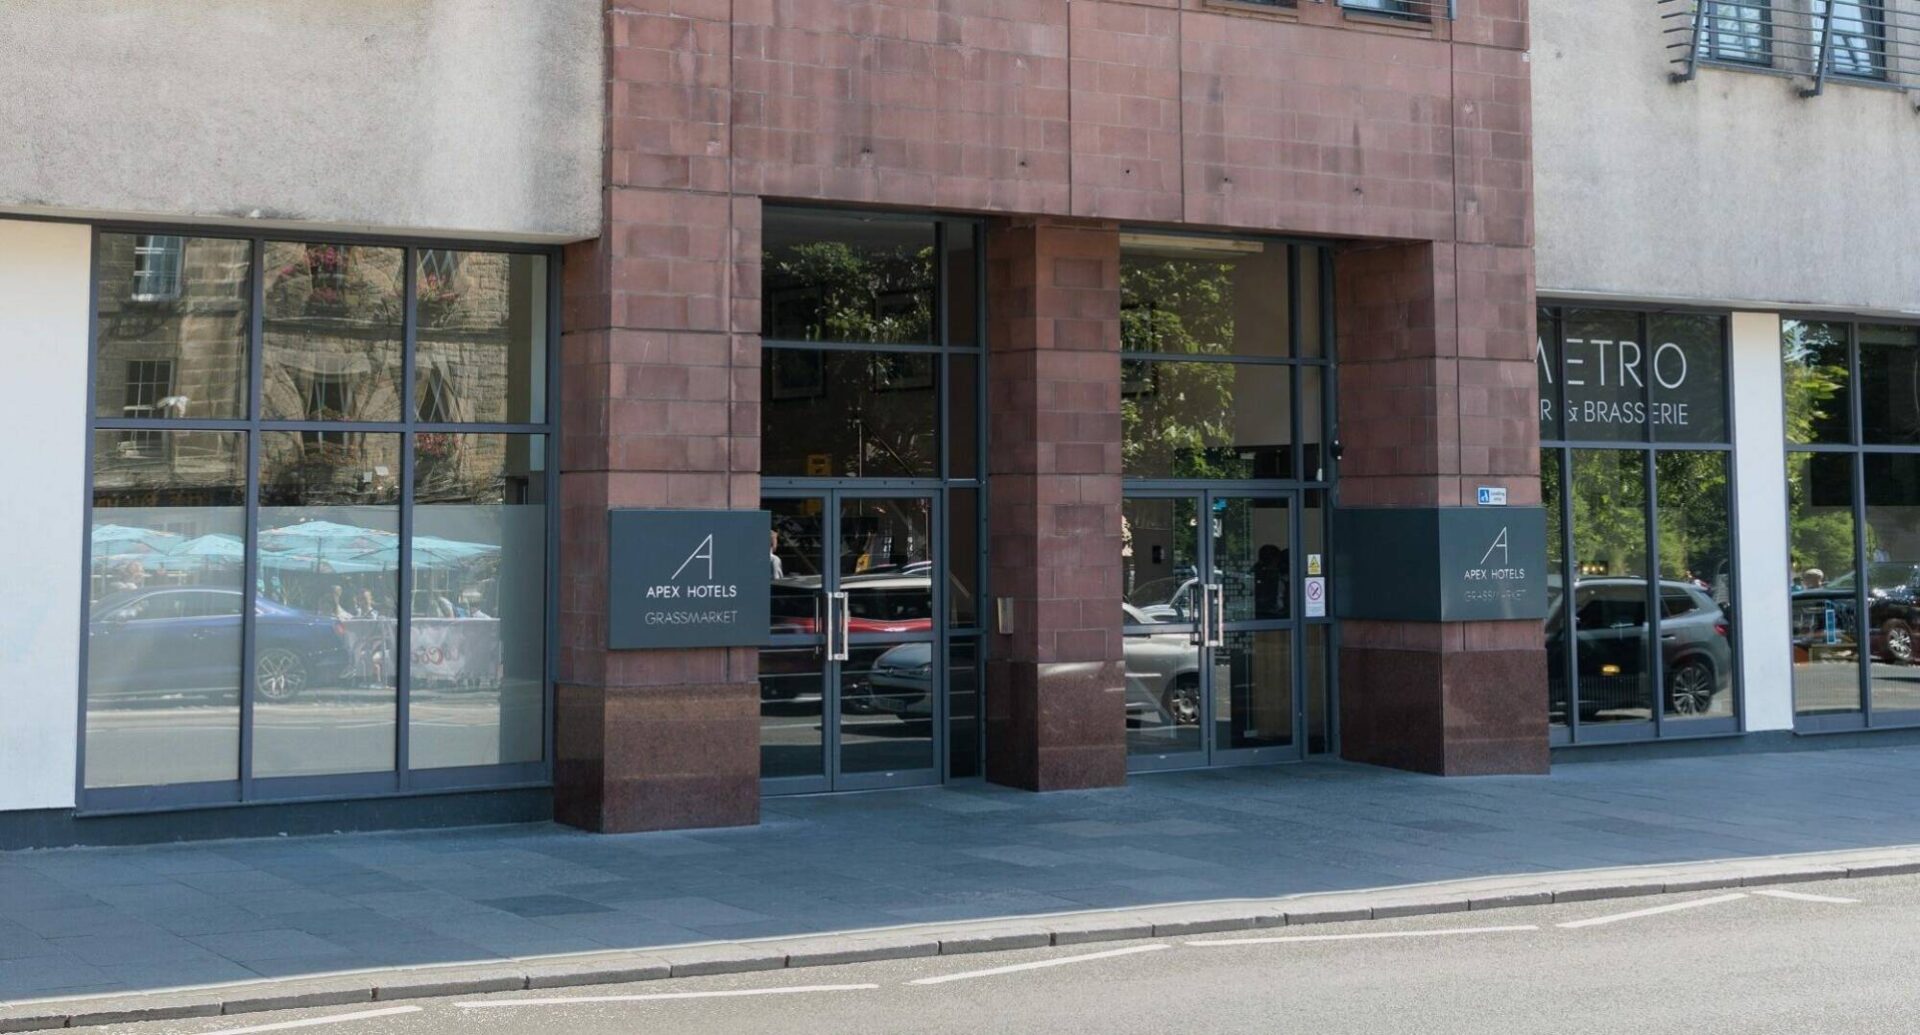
(1162, 673)
(1893, 611)
(169, 641)
(1610, 619)
(886, 602)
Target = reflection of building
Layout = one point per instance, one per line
(1129, 310)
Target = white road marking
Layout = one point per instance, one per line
(1039, 964)
(1801, 896)
(657, 996)
(338, 1018)
(1435, 933)
(1595, 921)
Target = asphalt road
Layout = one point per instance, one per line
(1753, 961)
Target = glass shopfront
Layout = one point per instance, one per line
(871, 399)
(319, 556)
(1224, 554)
(1853, 515)
(1636, 477)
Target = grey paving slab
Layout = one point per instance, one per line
(128, 919)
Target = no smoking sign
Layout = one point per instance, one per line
(1316, 597)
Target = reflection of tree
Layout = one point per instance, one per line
(1609, 511)
(1694, 530)
(1177, 416)
(1814, 379)
(1814, 369)
(834, 291)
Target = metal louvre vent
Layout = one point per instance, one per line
(1875, 42)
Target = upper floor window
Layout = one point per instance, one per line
(1738, 30)
(1399, 8)
(1857, 43)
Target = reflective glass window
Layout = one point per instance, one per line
(171, 323)
(837, 277)
(333, 331)
(1892, 527)
(324, 696)
(1696, 583)
(849, 414)
(477, 636)
(481, 340)
(1820, 570)
(1199, 296)
(1817, 382)
(166, 588)
(1206, 420)
(1609, 619)
(1889, 385)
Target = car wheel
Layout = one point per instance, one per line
(279, 674)
(1690, 688)
(1896, 641)
(1183, 701)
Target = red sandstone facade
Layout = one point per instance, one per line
(1406, 144)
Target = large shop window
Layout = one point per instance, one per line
(1853, 511)
(300, 584)
(1635, 471)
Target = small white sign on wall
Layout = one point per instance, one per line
(1316, 597)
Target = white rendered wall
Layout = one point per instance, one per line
(441, 117)
(1760, 478)
(43, 342)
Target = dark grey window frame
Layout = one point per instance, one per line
(1857, 450)
(401, 781)
(1559, 451)
(945, 636)
(1753, 47)
(1295, 489)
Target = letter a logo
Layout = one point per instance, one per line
(703, 552)
(1500, 544)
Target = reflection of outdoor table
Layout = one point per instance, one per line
(369, 646)
(445, 650)
(456, 650)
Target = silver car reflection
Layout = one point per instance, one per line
(1162, 673)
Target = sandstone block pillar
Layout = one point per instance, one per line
(1437, 397)
(660, 368)
(1055, 702)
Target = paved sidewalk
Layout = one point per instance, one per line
(90, 921)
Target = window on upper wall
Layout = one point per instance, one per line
(1397, 8)
(1737, 30)
(1857, 45)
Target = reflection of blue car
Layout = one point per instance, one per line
(170, 641)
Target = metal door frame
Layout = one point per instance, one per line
(1210, 754)
(831, 778)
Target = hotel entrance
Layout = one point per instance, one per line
(1214, 610)
(850, 696)
(1225, 567)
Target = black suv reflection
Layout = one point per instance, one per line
(1823, 616)
(1610, 619)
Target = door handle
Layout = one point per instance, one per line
(840, 615)
(1216, 614)
(1203, 609)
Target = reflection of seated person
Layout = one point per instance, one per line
(1270, 583)
(1813, 578)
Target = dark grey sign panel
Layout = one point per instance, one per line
(687, 578)
(1440, 564)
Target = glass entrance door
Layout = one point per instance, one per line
(1210, 602)
(850, 694)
